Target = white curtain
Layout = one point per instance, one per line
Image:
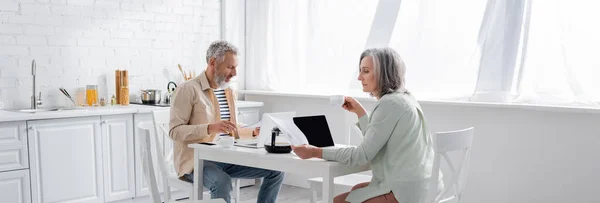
(524, 51)
(561, 65)
(437, 40)
(308, 46)
(502, 32)
(234, 32)
(257, 15)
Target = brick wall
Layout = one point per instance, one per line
(80, 42)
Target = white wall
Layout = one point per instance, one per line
(519, 155)
(80, 42)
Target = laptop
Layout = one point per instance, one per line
(316, 130)
(266, 125)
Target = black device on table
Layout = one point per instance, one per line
(316, 130)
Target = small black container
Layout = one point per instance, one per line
(277, 148)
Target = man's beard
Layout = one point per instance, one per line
(221, 81)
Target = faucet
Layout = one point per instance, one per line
(35, 102)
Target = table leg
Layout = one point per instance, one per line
(327, 187)
(198, 176)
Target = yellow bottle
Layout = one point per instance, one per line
(113, 100)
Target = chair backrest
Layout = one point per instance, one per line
(161, 127)
(445, 142)
(147, 161)
(355, 136)
(164, 145)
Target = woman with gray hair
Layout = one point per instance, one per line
(397, 143)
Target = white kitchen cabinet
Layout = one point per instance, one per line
(13, 157)
(118, 157)
(14, 161)
(13, 146)
(66, 160)
(14, 186)
(13, 133)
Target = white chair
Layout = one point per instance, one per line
(161, 126)
(150, 176)
(445, 142)
(450, 141)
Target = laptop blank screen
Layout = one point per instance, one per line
(316, 130)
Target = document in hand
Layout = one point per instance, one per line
(290, 130)
(251, 126)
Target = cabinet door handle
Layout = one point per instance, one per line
(104, 121)
(32, 128)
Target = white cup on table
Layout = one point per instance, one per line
(225, 141)
(1, 105)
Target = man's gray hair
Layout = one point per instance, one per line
(217, 49)
(389, 70)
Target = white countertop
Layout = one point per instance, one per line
(7, 116)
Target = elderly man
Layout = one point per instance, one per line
(203, 108)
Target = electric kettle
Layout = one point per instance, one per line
(278, 144)
(170, 90)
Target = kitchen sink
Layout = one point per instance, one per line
(47, 110)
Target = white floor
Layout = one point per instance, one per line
(288, 194)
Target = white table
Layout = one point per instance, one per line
(259, 158)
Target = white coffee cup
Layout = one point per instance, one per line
(336, 100)
(1, 105)
(226, 141)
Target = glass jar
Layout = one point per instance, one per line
(102, 101)
(80, 96)
(91, 94)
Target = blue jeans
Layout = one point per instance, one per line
(217, 177)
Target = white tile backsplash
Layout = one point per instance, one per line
(80, 42)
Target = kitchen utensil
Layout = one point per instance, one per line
(64, 91)
(182, 72)
(278, 145)
(150, 96)
(171, 86)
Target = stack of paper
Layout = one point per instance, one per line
(290, 130)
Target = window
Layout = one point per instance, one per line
(437, 40)
(561, 63)
(306, 46)
(498, 51)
